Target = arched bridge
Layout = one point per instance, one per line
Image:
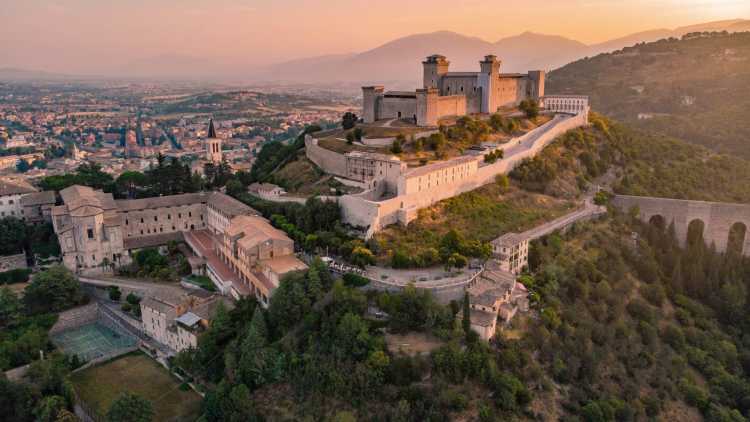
(718, 221)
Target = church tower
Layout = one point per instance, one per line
(213, 144)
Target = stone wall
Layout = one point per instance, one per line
(12, 262)
(365, 210)
(332, 162)
(453, 105)
(390, 107)
(717, 218)
(75, 317)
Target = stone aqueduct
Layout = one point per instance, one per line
(718, 219)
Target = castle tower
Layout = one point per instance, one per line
(427, 109)
(489, 79)
(435, 67)
(213, 144)
(370, 96)
(536, 84)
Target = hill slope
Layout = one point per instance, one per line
(696, 89)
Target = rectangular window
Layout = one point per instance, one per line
(90, 233)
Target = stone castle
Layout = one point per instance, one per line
(445, 93)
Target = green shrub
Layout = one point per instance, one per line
(355, 280)
(19, 275)
(114, 293)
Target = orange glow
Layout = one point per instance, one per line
(88, 36)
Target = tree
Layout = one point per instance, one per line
(22, 166)
(348, 120)
(530, 107)
(361, 257)
(503, 181)
(129, 407)
(10, 307)
(466, 317)
(396, 147)
(49, 408)
(52, 290)
(114, 293)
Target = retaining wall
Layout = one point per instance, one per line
(360, 211)
(76, 317)
(332, 162)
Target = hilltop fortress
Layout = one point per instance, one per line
(447, 93)
(393, 191)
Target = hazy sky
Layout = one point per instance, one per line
(90, 36)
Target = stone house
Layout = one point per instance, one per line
(512, 252)
(176, 321)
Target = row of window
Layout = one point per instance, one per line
(169, 217)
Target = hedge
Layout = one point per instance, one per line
(19, 275)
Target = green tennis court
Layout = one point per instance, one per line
(92, 341)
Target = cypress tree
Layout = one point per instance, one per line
(466, 314)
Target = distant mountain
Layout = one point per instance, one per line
(400, 59)
(17, 74)
(695, 89)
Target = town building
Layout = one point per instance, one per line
(11, 192)
(512, 252)
(445, 93)
(177, 321)
(213, 145)
(496, 296)
(37, 206)
(242, 253)
(265, 190)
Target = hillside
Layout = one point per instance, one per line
(694, 89)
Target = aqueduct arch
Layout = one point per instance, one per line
(719, 219)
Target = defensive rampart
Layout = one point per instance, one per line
(331, 162)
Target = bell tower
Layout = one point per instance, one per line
(213, 144)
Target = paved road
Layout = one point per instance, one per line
(146, 287)
(587, 211)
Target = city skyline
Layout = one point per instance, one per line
(87, 37)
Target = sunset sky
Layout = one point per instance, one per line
(90, 36)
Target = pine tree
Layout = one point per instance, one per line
(314, 285)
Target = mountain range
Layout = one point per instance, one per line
(400, 60)
(397, 62)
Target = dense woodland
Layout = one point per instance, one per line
(696, 89)
(638, 163)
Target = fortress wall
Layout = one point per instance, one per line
(507, 92)
(362, 212)
(392, 106)
(331, 162)
(454, 105)
(718, 218)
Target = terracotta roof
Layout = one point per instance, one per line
(162, 201)
(253, 230)
(229, 206)
(481, 318)
(39, 198)
(78, 196)
(509, 239)
(284, 264)
(15, 187)
(152, 240)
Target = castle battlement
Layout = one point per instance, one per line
(446, 93)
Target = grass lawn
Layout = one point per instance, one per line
(100, 385)
(482, 214)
